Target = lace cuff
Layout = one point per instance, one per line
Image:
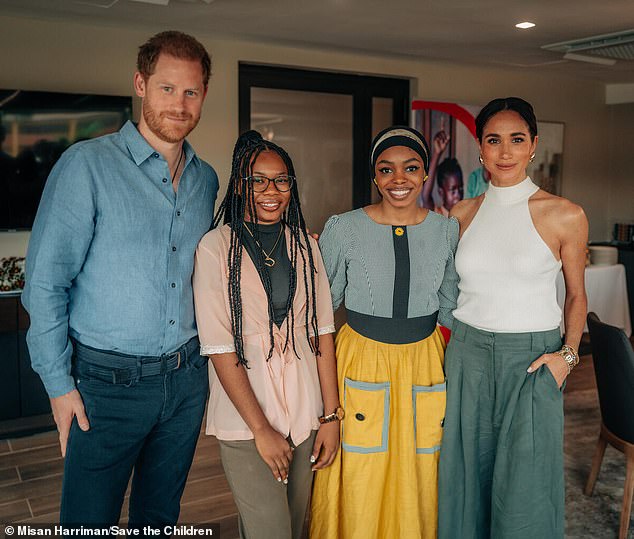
(325, 330)
(211, 349)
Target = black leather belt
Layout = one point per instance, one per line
(113, 367)
(392, 330)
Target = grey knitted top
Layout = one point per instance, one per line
(359, 256)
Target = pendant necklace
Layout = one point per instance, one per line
(178, 164)
(268, 259)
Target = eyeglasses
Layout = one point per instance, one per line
(260, 184)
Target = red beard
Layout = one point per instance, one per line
(165, 129)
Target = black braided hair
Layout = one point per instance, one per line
(239, 201)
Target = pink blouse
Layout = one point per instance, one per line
(286, 388)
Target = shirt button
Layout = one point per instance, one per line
(172, 322)
(178, 213)
(173, 248)
(164, 180)
(359, 417)
(173, 285)
(155, 155)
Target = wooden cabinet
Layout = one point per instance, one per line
(22, 393)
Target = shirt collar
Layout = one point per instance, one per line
(141, 150)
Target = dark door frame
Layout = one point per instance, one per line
(362, 88)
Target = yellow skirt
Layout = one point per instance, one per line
(383, 482)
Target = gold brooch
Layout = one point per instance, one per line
(399, 231)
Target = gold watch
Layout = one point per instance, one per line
(337, 415)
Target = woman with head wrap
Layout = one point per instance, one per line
(391, 264)
(265, 319)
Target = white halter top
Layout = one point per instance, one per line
(507, 272)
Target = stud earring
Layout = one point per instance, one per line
(532, 158)
(425, 178)
(480, 159)
(374, 180)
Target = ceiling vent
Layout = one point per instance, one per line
(97, 3)
(617, 46)
(110, 3)
(165, 2)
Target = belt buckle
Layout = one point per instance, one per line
(178, 360)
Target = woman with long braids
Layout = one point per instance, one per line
(265, 319)
(392, 265)
(501, 463)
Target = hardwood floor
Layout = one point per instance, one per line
(31, 479)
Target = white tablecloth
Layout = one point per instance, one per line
(607, 295)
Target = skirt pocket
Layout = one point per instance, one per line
(429, 414)
(367, 415)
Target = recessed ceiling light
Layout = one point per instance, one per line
(524, 25)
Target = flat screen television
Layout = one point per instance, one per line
(35, 129)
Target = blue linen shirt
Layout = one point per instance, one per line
(111, 254)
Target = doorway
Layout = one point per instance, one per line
(326, 122)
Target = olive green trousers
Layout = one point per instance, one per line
(501, 461)
(267, 508)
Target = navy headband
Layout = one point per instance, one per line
(399, 136)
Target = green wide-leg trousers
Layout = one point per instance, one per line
(501, 461)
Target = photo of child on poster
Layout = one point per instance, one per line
(454, 170)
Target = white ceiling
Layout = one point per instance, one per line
(476, 32)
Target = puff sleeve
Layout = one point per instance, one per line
(448, 291)
(332, 245)
(211, 296)
(325, 316)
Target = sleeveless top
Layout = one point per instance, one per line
(507, 272)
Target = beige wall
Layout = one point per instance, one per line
(57, 56)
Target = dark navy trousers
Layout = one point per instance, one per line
(146, 425)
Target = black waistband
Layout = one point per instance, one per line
(125, 367)
(392, 330)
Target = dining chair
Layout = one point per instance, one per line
(613, 359)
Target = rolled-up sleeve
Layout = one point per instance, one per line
(61, 236)
(211, 297)
(331, 243)
(325, 316)
(448, 292)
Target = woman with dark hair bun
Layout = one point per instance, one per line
(501, 463)
(265, 319)
(391, 263)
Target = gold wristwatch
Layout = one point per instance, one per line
(337, 415)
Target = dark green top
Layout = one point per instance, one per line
(279, 273)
